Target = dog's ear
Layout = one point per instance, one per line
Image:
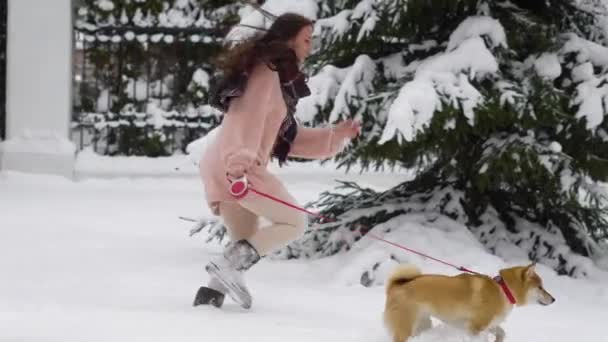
(530, 270)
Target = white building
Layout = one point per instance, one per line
(38, 88)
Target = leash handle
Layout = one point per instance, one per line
(239, 187)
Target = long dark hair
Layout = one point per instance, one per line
(269, 46)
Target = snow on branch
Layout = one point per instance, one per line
(441, 78)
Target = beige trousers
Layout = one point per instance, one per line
(242, 221)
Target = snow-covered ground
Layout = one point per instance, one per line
(107, 259)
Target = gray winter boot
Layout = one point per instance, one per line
(238, 257)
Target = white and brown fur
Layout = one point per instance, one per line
(474, 302)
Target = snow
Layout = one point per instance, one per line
(442, 77)
(555, 147)
(393, 65)
(338, 24)
(365, 10)
(548, 66)
(478, 26)
(468, 95)
(483, 169)
(201, 78)
(155, 38)
(367, 27)
(250, 17)
(591, 94)
(92, 165)
(142, 38)
(38, 142)
(582, 72)
(586, 50)
(158, 117)
(411, 110)
(103, 100)
(418, 100)
(135, 90)
(83, 11)
(181, 4)
(197, 147)
(472, 54)
(357, 84)
(203, 21)
(130, 35)
(307, 8)
(177, 17)
(591, 98)
(105, 5)
(108, 260)
(483, 8)
(323, 88)
(124, 19)
(140, 20)
(425, 46)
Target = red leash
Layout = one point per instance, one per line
(276, 199)
(327, 219)
(241, 189)
(460, 268)
(498, 279)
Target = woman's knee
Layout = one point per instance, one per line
(239, 222)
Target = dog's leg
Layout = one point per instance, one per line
(400, 321)
(477, 326)
(499, 333)
(423, 324)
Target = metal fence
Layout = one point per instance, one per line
(141, 91)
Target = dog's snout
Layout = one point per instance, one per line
(546, 300)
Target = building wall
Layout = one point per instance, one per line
(39, 87)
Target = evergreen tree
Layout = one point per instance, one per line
(499, 105)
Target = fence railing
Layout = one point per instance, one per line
(142, 91)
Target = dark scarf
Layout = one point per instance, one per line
(293, 87)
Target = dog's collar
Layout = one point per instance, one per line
(505, 289)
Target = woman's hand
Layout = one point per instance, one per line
(349, 128)
(235, 172)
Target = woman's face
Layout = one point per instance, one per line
(302, 43)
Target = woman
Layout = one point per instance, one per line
(262, 87)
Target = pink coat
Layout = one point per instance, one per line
(245, 139)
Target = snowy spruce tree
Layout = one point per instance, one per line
(499, 107)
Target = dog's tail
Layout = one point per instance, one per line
(401, 275)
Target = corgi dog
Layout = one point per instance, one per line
(474, 302)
